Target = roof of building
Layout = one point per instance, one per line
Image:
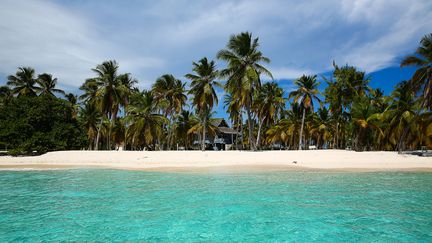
(227, 130)
(217, 122)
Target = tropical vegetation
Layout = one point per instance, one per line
(337, 111)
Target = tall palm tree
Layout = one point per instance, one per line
(401, 115)
(112, 91)
(243, 72)
(203, 90)
(422, 78)
(47, 85)
(109, 89)
(170, 93)
(346, 85)
(145, 122)
(23, 82)
(305, 95)
(268, 105)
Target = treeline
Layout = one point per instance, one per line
(113, 112)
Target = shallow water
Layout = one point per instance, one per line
(109, 205)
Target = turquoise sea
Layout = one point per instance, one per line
(117, 205)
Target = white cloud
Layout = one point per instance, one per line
(49, 38)
(289, 73)
(397, 25)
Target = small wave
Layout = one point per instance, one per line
(30, 169)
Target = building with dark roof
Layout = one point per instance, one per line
(225, 136)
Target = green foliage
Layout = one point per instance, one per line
(39, 124)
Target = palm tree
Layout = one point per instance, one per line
(422, 78)
(364, 118)
(203, 90)
(203, 125)
(235, 114)
(23, 82)
(184, 122)
(90, 88)
(268, 105)
(118, 132)
(89, 116)
(401, 115)
(305, 95)
(5, 95)
(286, 129)
(243, 72)
(109, 90)
(111, 93)
(170, 93)
(47, 85)
(145, 122)
(321, 126)
(73, 101)
(347, 85)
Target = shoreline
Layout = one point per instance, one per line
(223, 161)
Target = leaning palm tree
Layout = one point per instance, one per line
(422, 78)
(170, 94)
(203, 90)
(23, 82)
(305, 95)
(243, 72)
(47, 85)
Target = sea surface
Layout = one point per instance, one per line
(118, 205)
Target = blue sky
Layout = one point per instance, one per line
(151, 38)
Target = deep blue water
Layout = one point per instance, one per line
(116, 205)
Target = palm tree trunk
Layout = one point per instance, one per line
(252, 144)
(301, 130)
(98, 135)
(291, 142)
(204, 134)
(169, 133)
(241, 132)
(400, 145)
(337, 136)
(259, 131)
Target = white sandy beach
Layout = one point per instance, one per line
(211, 160)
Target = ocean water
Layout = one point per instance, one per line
(115, 205)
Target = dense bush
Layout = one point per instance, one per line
(39, 124)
